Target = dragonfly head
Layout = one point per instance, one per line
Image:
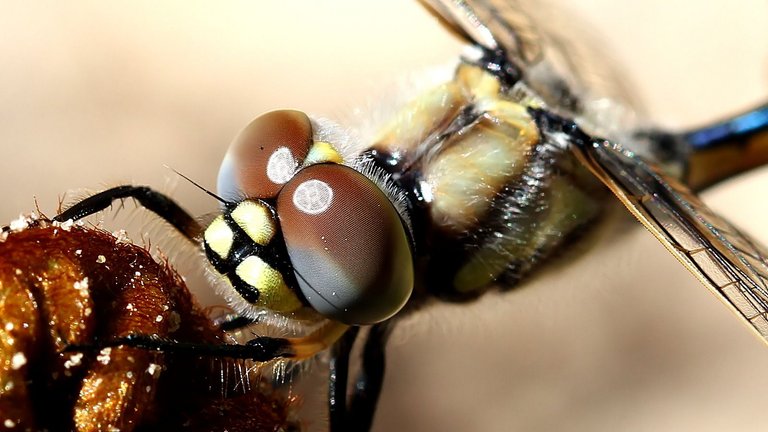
(301, 230)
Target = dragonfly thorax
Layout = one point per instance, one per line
(491, 194)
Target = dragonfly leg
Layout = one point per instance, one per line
(337, 380)
(150, 199)
(357, 414)
(260, 349)
(370, 378)
(234, 322)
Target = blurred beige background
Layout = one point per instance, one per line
(100, 94)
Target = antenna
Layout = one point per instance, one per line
(220, 199)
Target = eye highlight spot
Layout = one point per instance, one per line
(256, 220)
(265, 155)
(219, 237)
(281, 166)
(313, 197)
(274, 294)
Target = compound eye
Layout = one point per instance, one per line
(265, 155)
(347, 244)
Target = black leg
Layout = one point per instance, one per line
(337, 380)
(233, 322)
(261, 349)
(150, 199)
(369, 380)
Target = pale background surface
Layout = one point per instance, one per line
(102, 94)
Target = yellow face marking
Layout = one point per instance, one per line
(255, 220)
(322, 152)
(219, 237)
(274, 294)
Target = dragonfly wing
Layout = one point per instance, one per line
(556, 56)
(492, 25)
(731, 264)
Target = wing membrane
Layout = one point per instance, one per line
(727, 261)
(556, 54)
(492, 25)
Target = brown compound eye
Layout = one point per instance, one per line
(265, 155)
(347, 244)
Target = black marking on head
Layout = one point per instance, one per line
(273, 254)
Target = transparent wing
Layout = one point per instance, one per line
(727, 261)
(492, 25)
(557, 56)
